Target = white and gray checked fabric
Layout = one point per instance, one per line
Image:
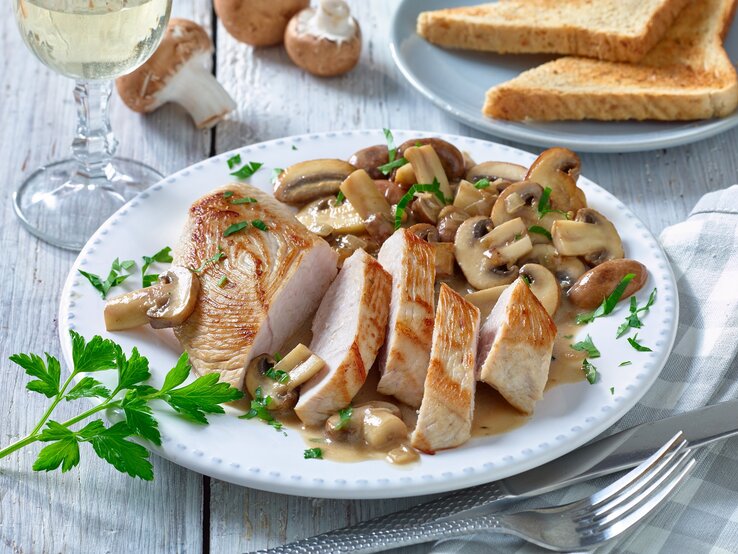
(703, 369)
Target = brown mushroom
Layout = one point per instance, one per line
(444, 252)
(391, 191)
(543, 285)
(472, 200)
(376, 424)
(257, 22)
(522, 200)
(590, 235)
(428, 168)
(596, 284)
(425, 208)
(404, 177)
(165, 304)
(493, 171)
(307, 181)
(557, 168)
(451, 157)
(179, 72)
(324, 41)
(449, 220)
(566, 269)
(370, 159)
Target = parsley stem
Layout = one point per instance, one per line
(25, 441)
(47, 413)
(107, 403)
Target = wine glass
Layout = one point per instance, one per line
(93, 42)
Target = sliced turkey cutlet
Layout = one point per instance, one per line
(403, 360)
(264, 287)
(445, 415)
(348, 331)
(515, 345)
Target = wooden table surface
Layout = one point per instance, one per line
(96, 509)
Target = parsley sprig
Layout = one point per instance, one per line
(119, 272)
(247, 170)
(587, 346)
(131, 396)
(163, 256)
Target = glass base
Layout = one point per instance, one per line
(63, 207)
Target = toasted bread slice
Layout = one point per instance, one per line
(620, 30)
(686, 76)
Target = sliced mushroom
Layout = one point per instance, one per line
(591, 288)
(404, 177)
(590, 235)
(425, 231)
(496, 170)
(345, 245)
(364, 196)
(280, 380)
(451, 157)
(485, 299)
(449, 220)
(468, 160)
(369, 159)
(557, 168)
(165, 304)
(310, 180)
(380, 227)
(472, 200)
(521, 200)
(425, 208)
(324, 217)
(566, 269)
(477, 253)
(428, 168)
(391, 191)
(543, 285)
(376, 424)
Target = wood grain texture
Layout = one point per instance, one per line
(92, 508)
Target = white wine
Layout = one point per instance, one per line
(92, 39)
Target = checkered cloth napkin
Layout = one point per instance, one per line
(703, 369)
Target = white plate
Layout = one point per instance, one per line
(252, 454)
(456, 81)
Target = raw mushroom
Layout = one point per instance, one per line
(306, 181)
(257, 22)
(566, 269)
(324, 217)
(486, 255)
(165, 304)
(324, 41)
(280, 380)
(543, 285)
(558, 168)
(496, 170)
(179, 72)
(590, 235)
(591, 288)
(451, 157)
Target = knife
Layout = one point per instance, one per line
(611, 454)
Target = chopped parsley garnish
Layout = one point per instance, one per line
(247, 200)
(344, 417)
(260, 408)
(275, 174)
(387, 168)
(313, 454)
(435, 188)
(568, 336)
(278, 375)
(635, 344)
(277, 357)
(526, 279)
(627, 362)
(259, 224)
(540, 231)
(163, 256)
(228, 194)
(391, 148)
(222, 281)
(214, 259)
(483, 183)
(247, 170)
(235, 228)
(632, 321)
(544, 205)
(609, 303)
(115, 277)
(234, 161)
(294, 147)
(340, 197)
(587, 346)
(590, 371)
(612, 391)
(518, 236)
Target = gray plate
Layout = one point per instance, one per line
(456, 81)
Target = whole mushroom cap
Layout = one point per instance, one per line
(322, 53)
(257, 22)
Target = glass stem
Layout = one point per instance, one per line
(94, 143)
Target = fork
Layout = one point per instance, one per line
(584, 524)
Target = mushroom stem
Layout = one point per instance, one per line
(198, 91)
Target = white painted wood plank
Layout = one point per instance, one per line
(92, 508)
(277, 99)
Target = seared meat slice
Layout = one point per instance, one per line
(515, 346)
(348, 331)
(275, 279)
(445, 416)
(403, 360)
